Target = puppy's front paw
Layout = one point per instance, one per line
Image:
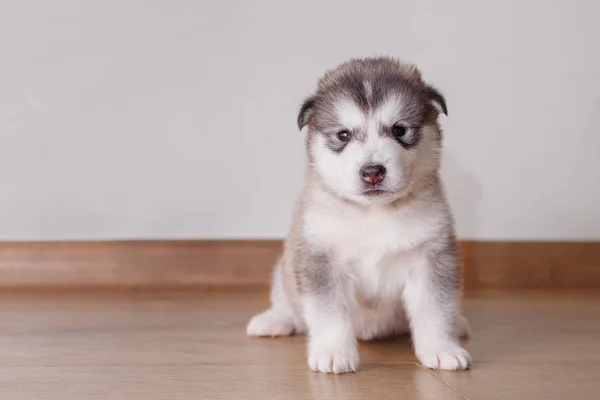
(450, 356)
(332, 357)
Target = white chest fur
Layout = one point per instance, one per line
(377, 245)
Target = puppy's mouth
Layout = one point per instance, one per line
(375, 192)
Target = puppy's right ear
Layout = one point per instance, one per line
(305, 112)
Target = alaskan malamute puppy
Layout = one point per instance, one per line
(372, 250)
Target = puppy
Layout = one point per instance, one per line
(372, 250)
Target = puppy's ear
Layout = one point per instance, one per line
(436, 98)
(305, 112)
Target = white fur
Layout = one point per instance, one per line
(435, 345)
(341, 172)
(383, 254)
(332, 342)
(437, 106)
(349, 114)
(383, 319)
(379, 252)
(388, 111)
(374, 231)
(280, 319)
(379, 248)
(368, 88)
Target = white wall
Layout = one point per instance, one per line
(176, 119)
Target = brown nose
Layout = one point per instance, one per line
(372, 174)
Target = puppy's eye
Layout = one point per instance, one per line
(398, 131)
(344, 136)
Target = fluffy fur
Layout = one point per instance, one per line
(368, 259)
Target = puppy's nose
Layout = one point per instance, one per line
(372, 174)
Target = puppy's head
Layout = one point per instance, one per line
(372, 130)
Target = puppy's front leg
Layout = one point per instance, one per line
(326, 306)
(431, 298)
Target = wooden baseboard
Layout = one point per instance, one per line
(189, 264)
(137, 263)
(531, 265)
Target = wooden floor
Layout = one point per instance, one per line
(130, 345)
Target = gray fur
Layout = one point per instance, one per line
(385, 76)
(312, 270)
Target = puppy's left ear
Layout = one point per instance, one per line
(305, 112)
(438, 101)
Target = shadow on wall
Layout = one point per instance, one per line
(464, 194)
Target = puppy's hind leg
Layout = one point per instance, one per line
(463, 329)
(280, 319)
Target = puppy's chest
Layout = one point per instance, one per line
(367, 235)
(377, 249)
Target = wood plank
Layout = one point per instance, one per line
(177, 346)
(527, 381)
(247, 263)
(207, 382)
(167, 345)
